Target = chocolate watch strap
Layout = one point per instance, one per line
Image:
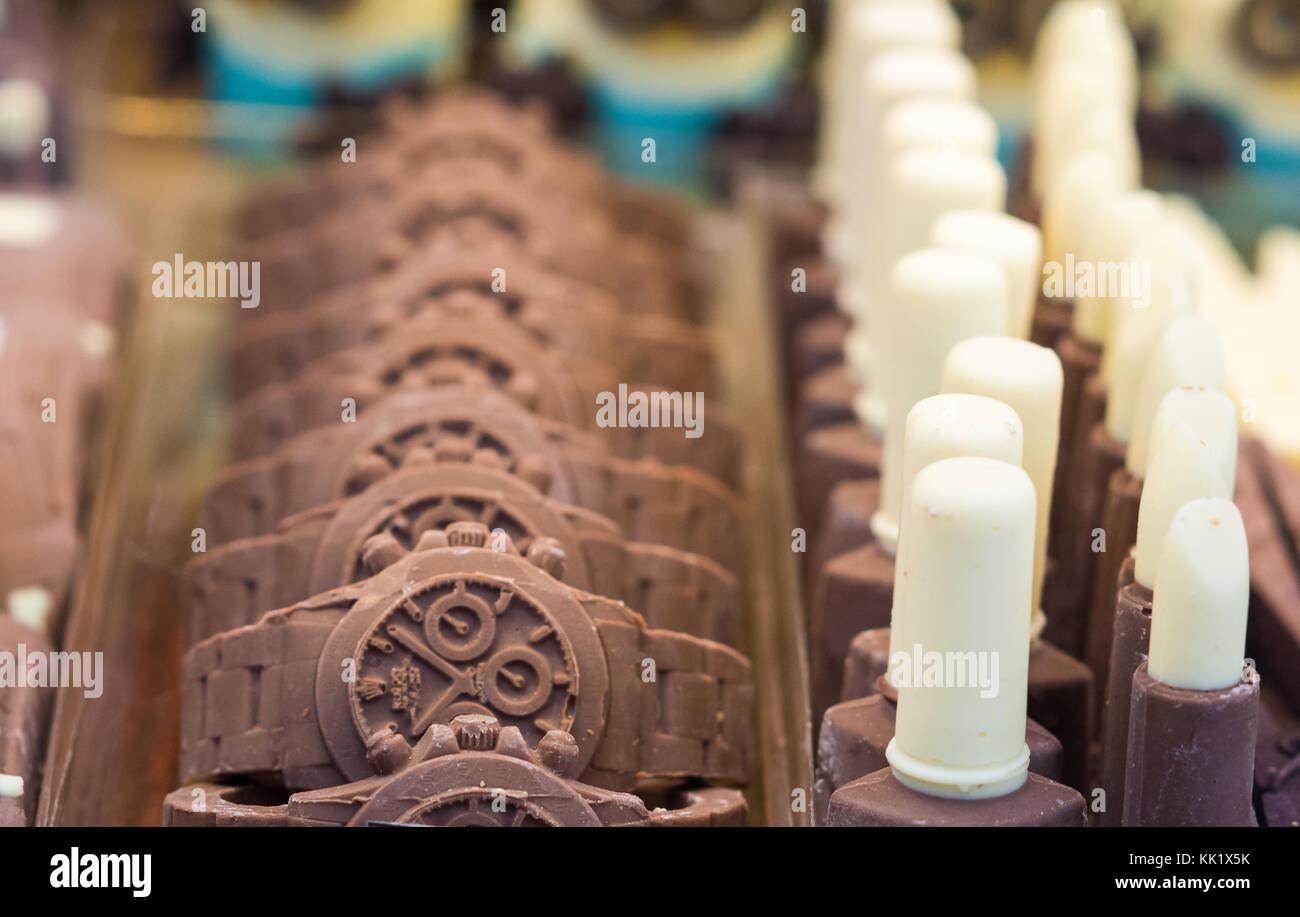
(237, 583)
(679, 706)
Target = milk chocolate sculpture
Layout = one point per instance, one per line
(668, 504)
(1028, 378)
(1186, 464)
(470, 773)
(342, 542)
(460, 628)
(937, 297)
(854, 733)
(1195, 706)
(959, 756)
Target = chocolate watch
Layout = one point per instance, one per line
(467, 275)
(344, 541)
(373, 241)
(672, 505)
(454, 630)
(476, 351)
(470, 773)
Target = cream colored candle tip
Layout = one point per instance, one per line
(1202, 591)
(922, 185)
(1189, 353)
(1014, 243)
(858, 32)
(937, 298)
(1029, 378)
(1183, 467)
(961, 729)
(940, 427)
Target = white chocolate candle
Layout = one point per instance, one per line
(1208, 413)
(937, 298)
(1198, 614)
(24, 116)
(1185, 465)
(1136, 331)
(1014, 243)
(961, 718)
(889, 78)
(1190, 352)
(1067, 210)
(921, 186)
(1029, 379)
(858, 30)
(1113, 229)
(940, 427)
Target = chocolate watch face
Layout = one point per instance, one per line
(512, 794)
(465, 640)
(464, 644)
(416, 500)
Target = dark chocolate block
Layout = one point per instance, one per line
(878, 800)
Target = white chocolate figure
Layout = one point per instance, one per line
(1198, 616)
(1029, 378)
(970, 561)
(1014, 243)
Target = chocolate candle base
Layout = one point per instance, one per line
(1120, 520)
(818, 344)
(878, 800)
(854, 736)
(796, 307)
(1068, 604)
(1132, 639)
(1079, 360)
(1277, 773)
(825, 398)
(1268, 494)
(854, 593)
(1051, 321)
(843, 452)
(1060, 692)
(1190, 754)
(846, 524)
(866, 661)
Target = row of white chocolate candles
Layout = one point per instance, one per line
(942, 287)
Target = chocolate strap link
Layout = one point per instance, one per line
(241, 581)
(679, 707)
(249, 704)
(700, 598)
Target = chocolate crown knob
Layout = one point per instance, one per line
(418, 455)
(381, 551)
(387, 750)
(431, 540)
(546, 554)
(467, 534)
(490, 458)
(558, 751)
(476, 732)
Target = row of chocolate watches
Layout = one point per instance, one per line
(927, 358)
(437, 589)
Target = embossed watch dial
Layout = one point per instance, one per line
(395, 447)
(418, 513)
(464, 644)
(480, 807)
